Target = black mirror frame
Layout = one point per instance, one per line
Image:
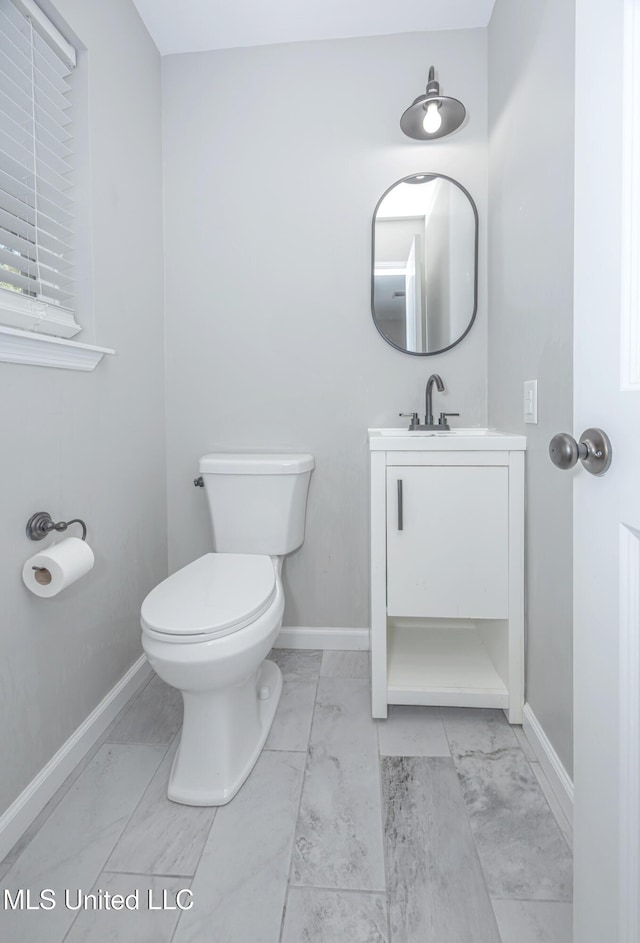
(403, 350)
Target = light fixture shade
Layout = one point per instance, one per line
(451, 111)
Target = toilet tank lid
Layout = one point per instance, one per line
(256, 463)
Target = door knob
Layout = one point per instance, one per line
(593, 450)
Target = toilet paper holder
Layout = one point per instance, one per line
(41, 523)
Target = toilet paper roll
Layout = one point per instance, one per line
(48, 573)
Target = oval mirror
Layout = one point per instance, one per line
(424, 269)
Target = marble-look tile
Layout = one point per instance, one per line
(123, 710)
(526, 921)
(292, 724)
(61, 792)
(240, 885)
(522, 850)
(153, 717)
(563, 822)
(74, 843)
(147, 923)
(436, 887)
(338, 838)
(523, 740)
(297, 664)
(477, 729)
(345, 665)
(52, 804)
(412, 731)
(162, 837)
(318, 916)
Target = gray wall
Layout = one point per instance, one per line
(274, 160)
(91, 445)
(531, 48)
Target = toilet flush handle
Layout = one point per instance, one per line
(199, 482)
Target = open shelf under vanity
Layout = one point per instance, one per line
(456, 665)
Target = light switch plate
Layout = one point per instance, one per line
(531, 401)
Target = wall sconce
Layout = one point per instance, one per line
(432, 115)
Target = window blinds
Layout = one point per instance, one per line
(36, 185)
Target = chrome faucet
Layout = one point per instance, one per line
(437, 379)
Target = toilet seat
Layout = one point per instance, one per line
(216, 595)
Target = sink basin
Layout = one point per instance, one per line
(455, 440)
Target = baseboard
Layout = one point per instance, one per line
(21, 813)
(549, 760)
(295, 636)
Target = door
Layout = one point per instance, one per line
(414, 315)
(607, 509)
(448, 541)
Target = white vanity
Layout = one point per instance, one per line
(447, 569)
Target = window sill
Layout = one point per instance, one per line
(41, 350)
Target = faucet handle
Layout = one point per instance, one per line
(442, 421)
(415, 419)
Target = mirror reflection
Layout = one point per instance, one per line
(424, 265)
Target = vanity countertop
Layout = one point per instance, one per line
(455, 440)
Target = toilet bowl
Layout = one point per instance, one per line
(208, 628)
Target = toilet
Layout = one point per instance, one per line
(208, 628)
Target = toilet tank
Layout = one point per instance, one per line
(257, 501)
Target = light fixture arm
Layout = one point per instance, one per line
(433, 86)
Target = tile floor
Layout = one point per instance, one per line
(436, 826)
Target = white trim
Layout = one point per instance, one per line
(549, 760)
(515, 679)
(21, 813)
(378, 582)
(51, 35)
(630, 313)
(41, 351)
(332, 639)
(29, 314)
(629, 687)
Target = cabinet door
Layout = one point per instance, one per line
(451, 557)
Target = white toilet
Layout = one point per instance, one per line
(208, 628)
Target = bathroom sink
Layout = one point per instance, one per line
(454, 440)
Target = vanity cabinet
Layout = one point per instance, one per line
(447, 575)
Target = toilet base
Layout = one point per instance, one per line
(222, 737)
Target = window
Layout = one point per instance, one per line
(36, 173)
